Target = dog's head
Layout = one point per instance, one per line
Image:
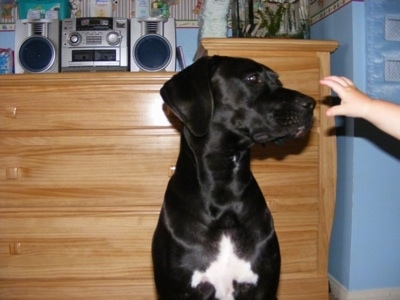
(241, 95)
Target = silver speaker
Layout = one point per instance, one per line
(153, 45)
(37, 46)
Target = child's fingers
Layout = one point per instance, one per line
(347, 81)
(333, 84)
(343, 81)
(334, 111)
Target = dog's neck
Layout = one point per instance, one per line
(217, 159)
(208, 168)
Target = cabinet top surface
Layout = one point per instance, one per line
(270, 44)
(85, 78)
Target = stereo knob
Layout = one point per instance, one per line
(113, 38)
(74, 39)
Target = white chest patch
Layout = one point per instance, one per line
(224, 270)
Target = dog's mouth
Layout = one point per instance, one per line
(282, 135)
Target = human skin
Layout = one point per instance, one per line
(383, 114)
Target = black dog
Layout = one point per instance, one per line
(215, 238)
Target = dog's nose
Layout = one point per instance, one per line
(306, 102)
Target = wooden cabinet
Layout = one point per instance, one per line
(84, 162)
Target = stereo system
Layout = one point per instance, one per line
(89, 44)
(37, 46)
(95, 44)
(152, 45)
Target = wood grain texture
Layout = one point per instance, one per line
(84, 163)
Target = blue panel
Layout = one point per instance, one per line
(365, 243)
(187, 38)
(7, 39)
(375, 261)
(381, 25)
(338, 27)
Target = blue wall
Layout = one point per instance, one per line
(187, 38)
(365, 244)
(7, 39)
(339, 27)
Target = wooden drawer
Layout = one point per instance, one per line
(113, 246)
(50, 102)
(120, 169)
(70, 250)
(103, 253)
(76, 245)
(78, 290)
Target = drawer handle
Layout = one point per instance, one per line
(10, 112)
(15, 248)
(12, 173)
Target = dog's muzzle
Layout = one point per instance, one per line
(291, 120)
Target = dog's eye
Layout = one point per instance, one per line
(253, 78)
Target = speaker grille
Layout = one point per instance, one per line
(38, 28)
(152, 52)
(152, 27)
(37, 54)
(93, 40)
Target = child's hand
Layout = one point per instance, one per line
(354, 103)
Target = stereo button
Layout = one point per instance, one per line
(74, 39)
(113, 38)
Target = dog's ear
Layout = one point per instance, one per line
(188, 94)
